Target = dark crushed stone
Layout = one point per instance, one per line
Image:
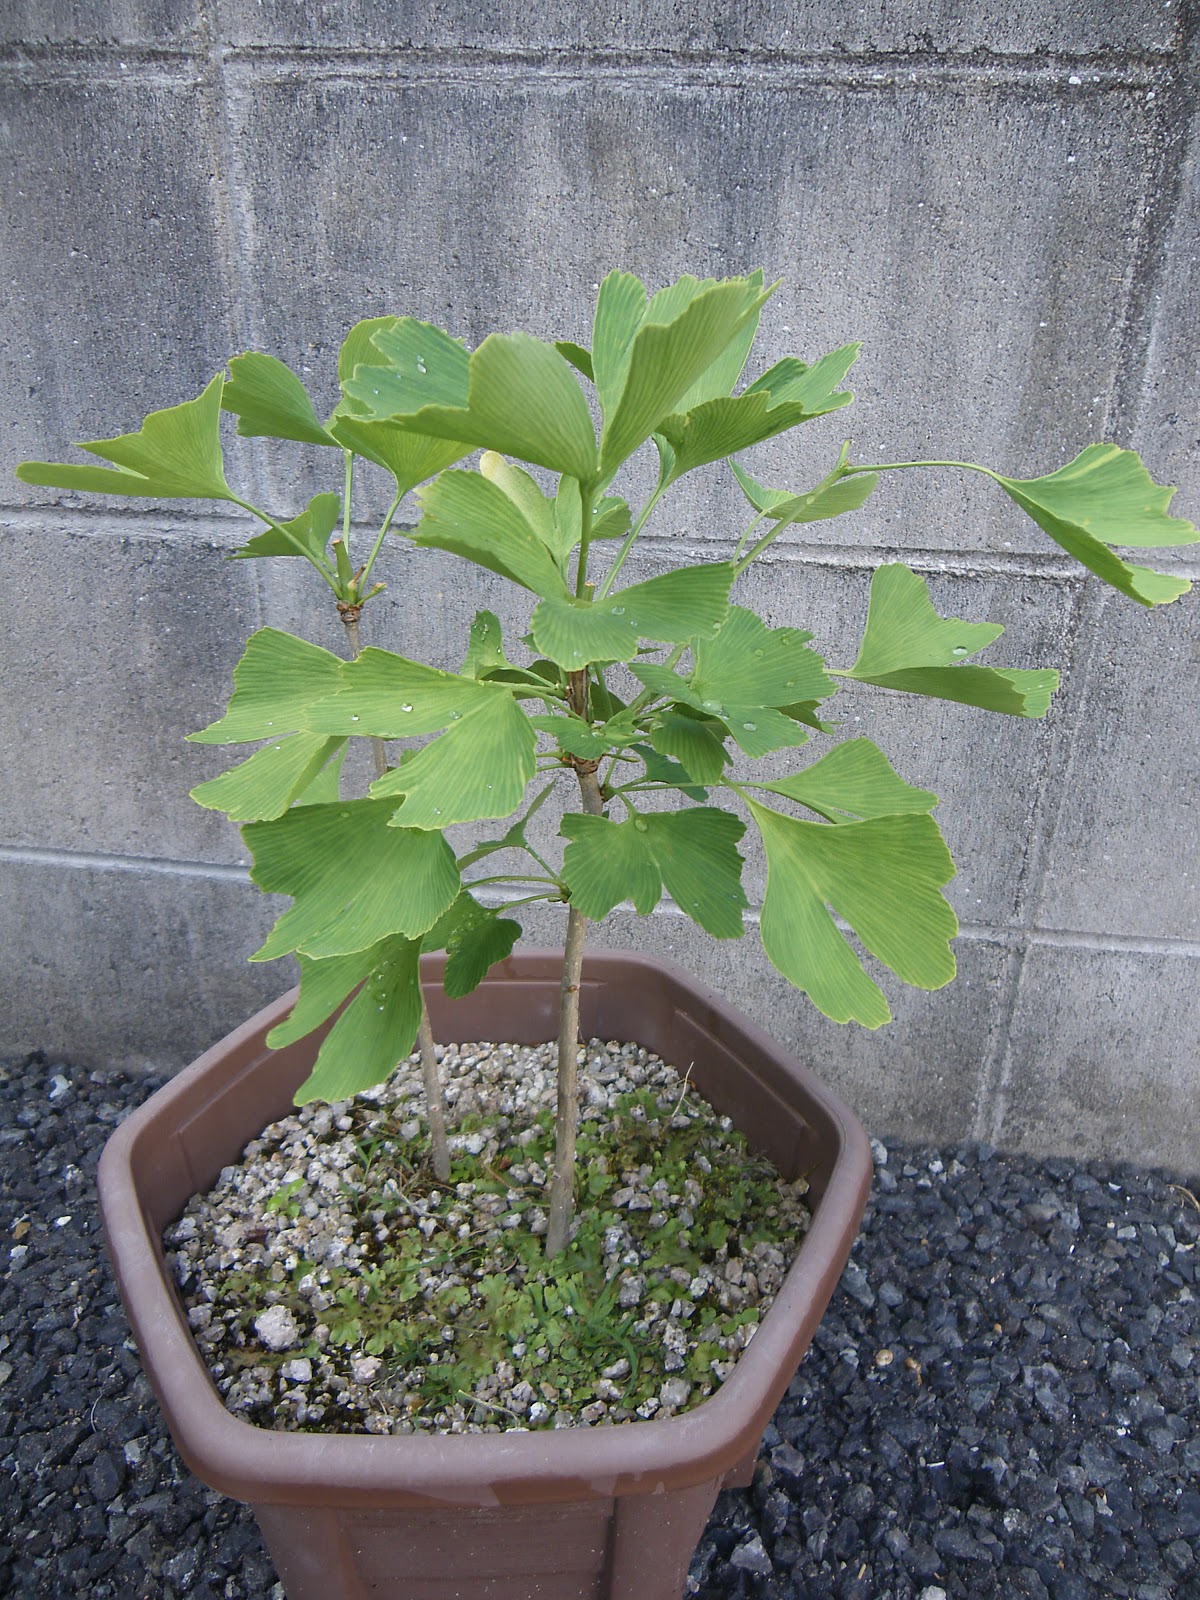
(1035, 1433)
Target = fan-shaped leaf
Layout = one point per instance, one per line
(515, 395)
(478, 768)
(275, 685)
(327, 785)
(270, 401)
(409, 457)
(309, 533)
(907, 646)
(377, 1029)
(818, 505)
(642, 375)
(390, 697)
(354, 879)
(485, 647)
(474, 938)
(853, 782)
(1106, 497)
(677, 606)
(266, 785)
(779, 400)
(793, 382)
(742, 675)
(175, 455)
(697, 744)
(475, 519)
(693, 852)
(884, 877)
(538, 511)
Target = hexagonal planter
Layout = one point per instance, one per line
(603, 1513)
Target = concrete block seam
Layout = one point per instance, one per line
(1039, 76)
(1009, 937)
(1042, 75)
(216, 530)
(60, 69)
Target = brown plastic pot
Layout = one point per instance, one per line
(603, 1513)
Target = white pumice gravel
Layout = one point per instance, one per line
(307, 1267)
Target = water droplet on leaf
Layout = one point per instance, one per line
(639, 824)
(750, 727)
(406, 708)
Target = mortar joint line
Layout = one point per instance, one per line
(1108, 70)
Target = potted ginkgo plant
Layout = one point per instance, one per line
(658, 720)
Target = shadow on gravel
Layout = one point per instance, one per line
(1002, 1401)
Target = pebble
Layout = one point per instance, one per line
(277, 1328)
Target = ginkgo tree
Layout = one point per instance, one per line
(654, 700)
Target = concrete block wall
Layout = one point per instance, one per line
(1001, 202)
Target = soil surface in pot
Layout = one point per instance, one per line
(333, 1284)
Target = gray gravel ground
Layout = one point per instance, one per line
(1003, 1400)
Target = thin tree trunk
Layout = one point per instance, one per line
(435, 1108)
(566, 1120)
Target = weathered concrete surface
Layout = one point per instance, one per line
(131, 649)
(30, 23)
(130, 964)
(1093, 1061)
(110, 254)
(1124, 854)
(1001, 205)
(796, 29)
(979, 271)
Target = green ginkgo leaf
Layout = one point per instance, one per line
(326, 786)
(377, 1029)
(474, 938)
(273, 777)
(485, 647)
(693, 853)
(718, 379)
(691, 602)
(479, 768)
(275, 685)
(853, 782)
(471, 517)
(818, 505)
(1106, 497)
(907, 646)
(742, 675)
(388, 696)
(815, 387)
(884, 877)
(270, 401)
(696, 743)
(587, 740)
(354, 879)
(410, 457)
(175, 455)
(757, 729)
(306, 535)
(647, 356)
(514, 395)
(324, 985)
(789, 394)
